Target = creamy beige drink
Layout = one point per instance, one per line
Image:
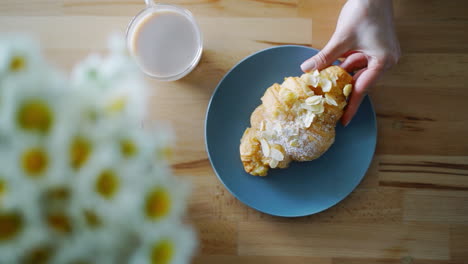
(165, 41)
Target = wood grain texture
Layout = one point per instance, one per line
(410, 208)
(344, 240)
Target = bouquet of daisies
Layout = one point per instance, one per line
(80, 180)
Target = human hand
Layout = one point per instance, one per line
(365, 36)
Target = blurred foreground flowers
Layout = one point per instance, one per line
(80, 180)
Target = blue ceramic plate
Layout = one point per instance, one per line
(303, 188)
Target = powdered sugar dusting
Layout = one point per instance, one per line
(308, 144)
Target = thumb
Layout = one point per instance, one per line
(331, 52)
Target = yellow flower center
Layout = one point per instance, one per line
(91, 115)
(59, 222)
(35, 115)
(80, 262)
(35, 161)
(158, 203)
(39, 255)
(17, 63)
(162, 252)
(57, 194)
(10, 226)
(107, 184)
(91, 218)
(3, 187)
(128, 148)
(80, 150)
(164, 153)
(117, 105)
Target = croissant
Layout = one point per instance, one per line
(296, 120)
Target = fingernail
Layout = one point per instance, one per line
(345, 123)
(308, 65)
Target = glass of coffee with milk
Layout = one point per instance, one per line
(165, 41)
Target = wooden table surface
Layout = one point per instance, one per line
(412, 206)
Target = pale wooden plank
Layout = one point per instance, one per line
(421, 104)
(431, 72)
(323, 9)
(226, 206)
(430, 10)
(248, 34)
(446, 20)
(127, 8)
(446, 36)
(424, 172)
(361, 206)
(200, 203)
(458, 242)
(402, 260)
(367, 204)
(251, 8)
(371, 179)
(217, 259)
(217, 237)
(436, 208)
(89, 33)
(324, 14)
(344, 240)
(31, 7)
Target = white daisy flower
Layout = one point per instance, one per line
(20, 232)
(127, 98)
(80, 179)
(40, 250)
(105, 187)
(57, 214)
(87, 75)
(80, 146)
(107, 236)
(13, 187)
(80, 150)
(135, 145)
(119, 66)
(20, 57)
(117, 45)
(162, 199)
(37, 110)
(94, 228)
(84, 249)
(101, 73)
(163, 137)
(37, 164)
(172, 244)
(117, 95)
